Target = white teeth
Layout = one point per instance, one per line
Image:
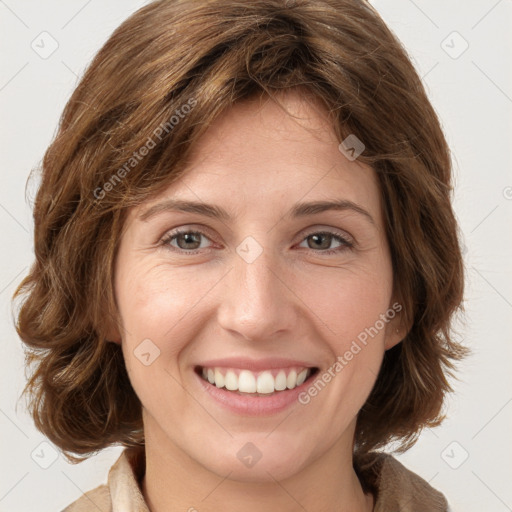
(219, 378)
(291, 380)
(231, 381)
(280, 383)
(265, 383)
(246, 381)
(301, 377)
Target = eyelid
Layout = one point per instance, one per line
(347, 240)
(187, 228)
(330, 231)
(165, 240)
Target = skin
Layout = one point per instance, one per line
(292, 301)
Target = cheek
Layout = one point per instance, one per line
(354, 332)
(163, 305)
(156, 304)
(351, 306)
(350, 302)
(154, 298)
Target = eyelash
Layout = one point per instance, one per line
(166, 241)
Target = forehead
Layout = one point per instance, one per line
(256, 155)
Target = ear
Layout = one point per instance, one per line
(113, 334)
(114, 337)
(394, 336)
(395, 330)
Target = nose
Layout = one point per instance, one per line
(257, 301)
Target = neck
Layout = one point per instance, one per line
(174, 481)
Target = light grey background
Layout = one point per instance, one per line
(471, 91)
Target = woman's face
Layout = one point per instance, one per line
(268, 291)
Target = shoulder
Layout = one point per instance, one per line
(398, 488)
(122, 492)
(93, 501)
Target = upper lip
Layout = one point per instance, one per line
(255, 364)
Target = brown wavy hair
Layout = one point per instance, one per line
(209, 55)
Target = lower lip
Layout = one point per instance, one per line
(254, 405)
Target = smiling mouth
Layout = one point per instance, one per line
(263, 383)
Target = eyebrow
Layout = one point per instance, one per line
(217, 212)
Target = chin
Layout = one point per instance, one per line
(257, 457)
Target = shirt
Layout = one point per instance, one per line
(397, 488)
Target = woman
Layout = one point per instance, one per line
(247, 263)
